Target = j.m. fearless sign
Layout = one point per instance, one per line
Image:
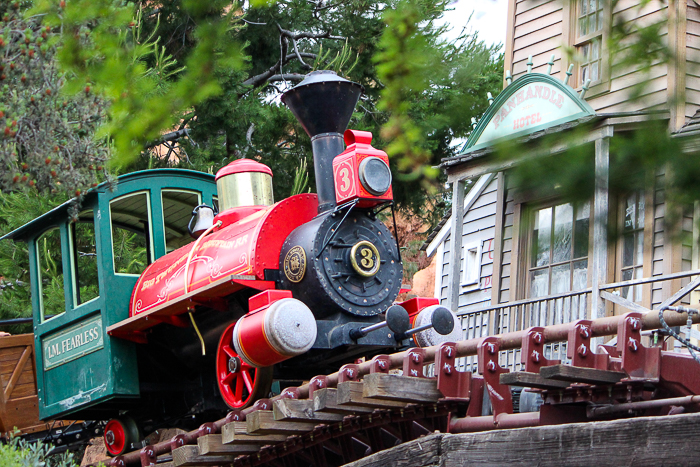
(73, 342)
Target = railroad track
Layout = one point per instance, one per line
(363, 408)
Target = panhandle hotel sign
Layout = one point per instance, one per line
(73, 342)
(533, 102)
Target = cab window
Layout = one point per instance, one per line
(177, 212)
(86, 283)
(50, 268)
(131, 233)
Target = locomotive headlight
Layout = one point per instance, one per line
(375, 175)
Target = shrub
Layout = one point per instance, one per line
(19, 453)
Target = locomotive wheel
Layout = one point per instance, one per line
(120, 434)
(240, 384)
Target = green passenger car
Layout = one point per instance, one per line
(83, 271)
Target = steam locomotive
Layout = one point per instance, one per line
(266, 293)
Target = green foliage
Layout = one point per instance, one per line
(16, 209)
(18, 453)
(46, 138)
(104, 52)
(245, 120)
(301, 179)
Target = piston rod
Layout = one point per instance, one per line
(601, 410)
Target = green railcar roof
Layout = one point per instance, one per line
(59, 213)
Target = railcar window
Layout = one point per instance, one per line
(177, 212)
(53, 300)
(131, 233)
(85, 258)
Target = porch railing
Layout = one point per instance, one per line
(557, 309)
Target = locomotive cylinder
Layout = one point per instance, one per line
(283, 330)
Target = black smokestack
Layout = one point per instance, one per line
(323, 103)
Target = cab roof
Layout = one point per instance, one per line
(60, 213)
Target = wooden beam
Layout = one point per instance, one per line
(642, 442)
(19, 368)
(350, 392)
(498, 245)
(599, 265)
(457, 221)
(302, 410)
(211, 445)
(623, 302)
(400, 388)
(326, 400)
(188, 456)
(530, 380)
(263, 422)
(237, 433)
(577, 374)
(681, 293)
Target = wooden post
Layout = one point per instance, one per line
(599, 263)
(457, 220)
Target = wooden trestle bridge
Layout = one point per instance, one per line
(364, 408)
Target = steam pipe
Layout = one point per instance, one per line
(492, 422)
(601, 410)
(325, 147)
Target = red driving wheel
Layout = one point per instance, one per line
(239, 383)
(120, 434)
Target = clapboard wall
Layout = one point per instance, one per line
(478, 228)
(543, 28)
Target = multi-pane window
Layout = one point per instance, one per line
(633, 244)
(131, 233)
(177, 213)
(589, 39)
(558, 260)
(86, 283)
(50, 270)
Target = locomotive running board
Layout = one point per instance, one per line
(170, 312)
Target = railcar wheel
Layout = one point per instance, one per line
(120, 434)
(240, 384)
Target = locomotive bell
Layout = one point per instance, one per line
(244, 182)
(202, 218)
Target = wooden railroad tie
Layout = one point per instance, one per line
(531, 380)
(212, 445)
(263, 422)
(400, 388)
(350, 392)
(577, 374)
(326, 400)
(237, 433)
(189, 456)
(302, 410)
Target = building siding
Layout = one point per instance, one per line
(478, 227)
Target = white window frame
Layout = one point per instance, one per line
(471, 265)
